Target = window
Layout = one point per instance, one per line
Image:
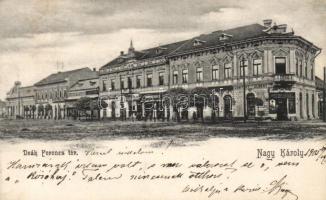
(138, 79)
(215, 75)
(243, 66)
(297, 66)
(112, 85)
(129, 82)
(227, 70)
(307, 104)
(161, 78)
(149, 80)
(300, 68)
(104, 86)
(257, 65)
(313, 104)
(122, 84)
(280, 65)
(175, 77)
(199, 74)
(312, 73)
(306, 70)
(185, 76)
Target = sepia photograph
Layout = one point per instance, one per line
(148, 99)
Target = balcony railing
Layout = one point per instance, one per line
(284, 78)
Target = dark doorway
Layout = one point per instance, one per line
(251, 105)
(281, 109)
(227, 107)
(300, 100)
(113, 110)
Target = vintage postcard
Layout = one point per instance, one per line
(162, 100)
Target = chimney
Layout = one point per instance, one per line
(121, 53)
(18, 83)
(267, 22)
(282, 28)
(94, 69)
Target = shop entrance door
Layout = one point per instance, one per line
(281, 109)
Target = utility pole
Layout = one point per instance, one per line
(244, 90)
(324, 96)
(121, 101)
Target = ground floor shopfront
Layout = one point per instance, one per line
(261, 101)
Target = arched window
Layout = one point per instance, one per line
(199, 74)
(227, 70)
(257, 66)
(215, 72)
(243, 66)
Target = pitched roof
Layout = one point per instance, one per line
(154, 52)
(61, 76)
(216, 38)
(207, 40)
(27, 91)
(230, 35)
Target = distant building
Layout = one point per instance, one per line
(3, 112)
(320, 101)
(87, 87)
(278, 68)
(52, 92)
(20, 101)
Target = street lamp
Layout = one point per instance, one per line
(244, 89)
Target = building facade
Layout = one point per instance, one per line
(84, 88)
(252, 71)
(51, 92)
(3, 112)
(20, 102)
(320, 96)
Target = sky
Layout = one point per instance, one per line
(40, 37)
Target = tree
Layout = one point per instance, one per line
(47, 109)
(40, 110)
(200, 97)
(33, 108)
(26, 109)
(82, 105)
(175, 97)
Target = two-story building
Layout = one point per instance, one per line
(20, 101)
(52, 92)
(275, 66)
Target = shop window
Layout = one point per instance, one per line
(292, 109)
